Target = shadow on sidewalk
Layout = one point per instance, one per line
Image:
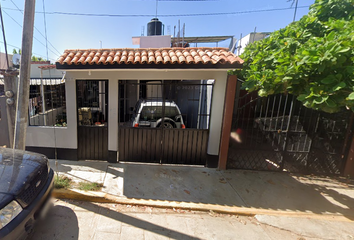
(262, 190)
(133, 221)
(58, 218)
(277, 191)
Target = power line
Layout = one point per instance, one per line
(45, 30)
(21, 11)
(37, 54)
(3, 33)
(33, 36)
(167, 15)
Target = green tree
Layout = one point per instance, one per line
(312, 58)
(33, 58)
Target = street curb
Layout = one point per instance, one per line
(101, 197)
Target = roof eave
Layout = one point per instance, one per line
(117, 66)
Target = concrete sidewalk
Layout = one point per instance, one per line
(231, 191)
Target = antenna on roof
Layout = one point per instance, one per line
(184, 28)
(142, 30)
(239, 46)
(168, 30)
(156, 7)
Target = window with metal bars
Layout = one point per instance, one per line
(47, 103)
(92, 102)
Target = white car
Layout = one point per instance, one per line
(156, 113)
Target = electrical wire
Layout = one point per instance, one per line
(21, 11)
(33, 36)
(3, 33)
(37, 54)
(168, 15)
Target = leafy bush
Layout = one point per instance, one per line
(312, 58)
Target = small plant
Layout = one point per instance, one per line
(90, 186)
(62, 182)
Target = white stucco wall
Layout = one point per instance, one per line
(67, 137)
(61, 137)
(47, 73)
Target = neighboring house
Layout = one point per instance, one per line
(47, 94)
(102, 87)
(249, 38)
(46, 100)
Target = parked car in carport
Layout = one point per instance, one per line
(26, 182)
(157, 113)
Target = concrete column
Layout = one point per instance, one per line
(217, 110)
(227, 121)
(71, 110)
(112, 114)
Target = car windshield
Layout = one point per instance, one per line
(149, 113)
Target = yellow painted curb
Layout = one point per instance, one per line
(101, 197)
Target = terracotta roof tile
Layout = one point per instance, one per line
(47, 67)
(140, 56)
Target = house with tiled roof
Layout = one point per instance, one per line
(119, 101)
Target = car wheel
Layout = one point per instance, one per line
(166, 125)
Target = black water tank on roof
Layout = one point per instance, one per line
(154, 27)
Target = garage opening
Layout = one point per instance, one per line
(164, 121)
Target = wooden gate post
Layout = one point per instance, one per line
(349, 165)
(227, 120)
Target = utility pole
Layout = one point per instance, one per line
(10, 82)
(297, 1)
(24, 83)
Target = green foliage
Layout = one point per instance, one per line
(14, 51)
(312, 58)
(33, 58)
(37, 59)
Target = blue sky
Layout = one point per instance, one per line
(82, 32)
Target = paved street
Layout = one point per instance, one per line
(86, 220)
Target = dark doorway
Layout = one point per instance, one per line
(92, 119)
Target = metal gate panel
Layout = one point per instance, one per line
(139, 145)
(93, 143)
(185, 146)
(178, 146)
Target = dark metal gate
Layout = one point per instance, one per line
(278, 133)
(164, 122)
(92, 116)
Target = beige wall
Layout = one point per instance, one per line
(67, 137)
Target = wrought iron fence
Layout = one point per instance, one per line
(278, 133)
